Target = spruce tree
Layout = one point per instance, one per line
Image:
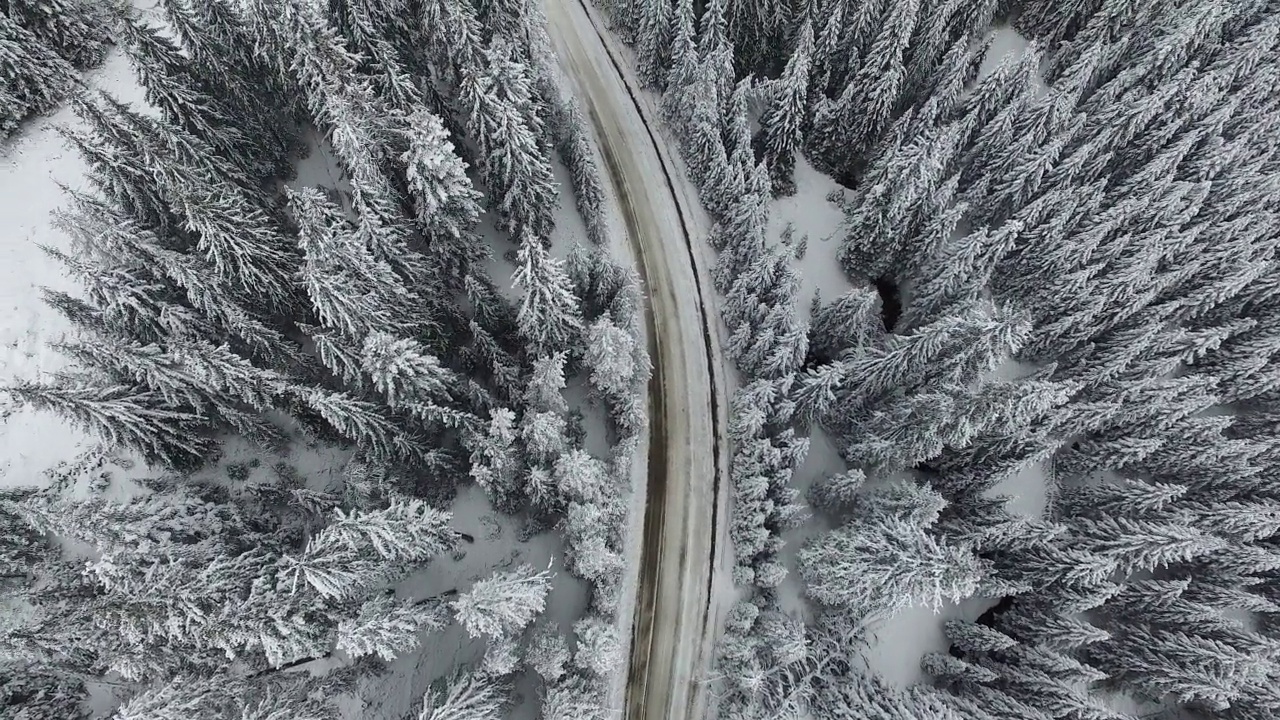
(467, 696)
(173, 85)
(497, 97)
(676, 97)
(231, 590)
(783, 119)
(447, 207)
(550, 315)
(35, 78)
(123, 414)
(875, 568)
(79, 31)
(349, 287)
(503, 604)
(220, 44)
(653, 41)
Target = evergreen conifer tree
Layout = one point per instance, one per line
(125, 415)
(504, 604)
(653, 40)
(879, 566)
(79, 31)
(35, 78)
(784, 118)
(550, 316)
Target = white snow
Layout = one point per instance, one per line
(895, 648)
(823, 460)
(32, 167)
(1028, 489)
(810, 214)
(1006, 42)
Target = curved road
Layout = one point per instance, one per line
(670, 646)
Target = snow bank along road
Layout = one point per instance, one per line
(668, 651)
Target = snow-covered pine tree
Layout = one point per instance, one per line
(219, 43)
(548, 653)
(349, 287)
(624, 18)
(369, 425)
(496, 462)
(653, 41)
(447, 206)
(759, 29)
(866, 106)
(611, 356)
(171, 83)
(318, 64)
(498, 100)
(877, 566)
(238, 588)
(593, 555)
(466, 696)
(703, 144)
(504, 604)
(451, 40)
(80, 31)
(226, 695)
(574, 145)
(372, 30)
(973, 342)
(599, 649)
(783, 119)
(414, 381)
(683, 71)
(837, 493)
(195, 202)
(575, 698)
(550, 316)
(716, 50)
(35, 78)
(206, 378)
(123, 414)
(40, 693)
(851, 321)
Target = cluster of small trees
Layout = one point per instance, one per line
(42, 45)
(767, 340)
(219, 301)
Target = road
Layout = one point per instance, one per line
(671, 632)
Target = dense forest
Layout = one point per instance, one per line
(222, 301)
(1066, 262)
(1063, 267)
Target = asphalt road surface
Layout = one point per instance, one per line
(670, 635)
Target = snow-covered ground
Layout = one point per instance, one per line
(814, 224)
(33, 166)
